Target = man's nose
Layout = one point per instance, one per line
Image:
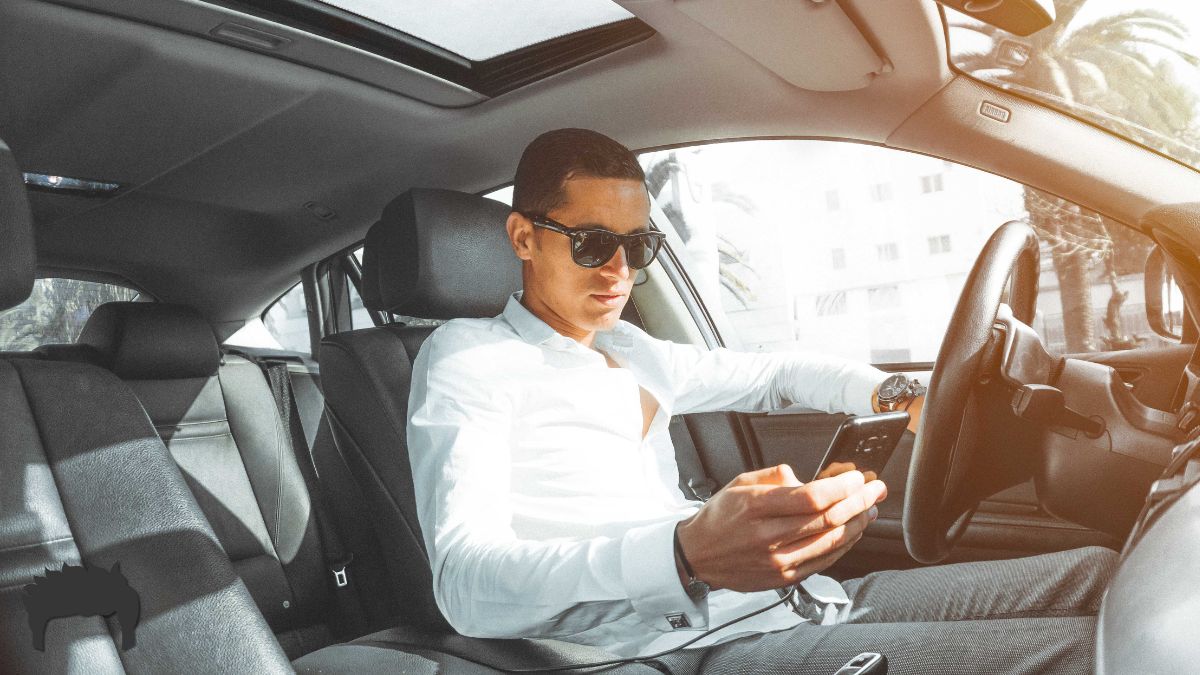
(617, 265)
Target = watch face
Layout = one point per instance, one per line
(893, 387)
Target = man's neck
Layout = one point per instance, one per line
(560, 326)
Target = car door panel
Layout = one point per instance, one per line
(1152, 374)
(1010, 524)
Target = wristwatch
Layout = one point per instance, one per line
(696, 589)
(898, 391)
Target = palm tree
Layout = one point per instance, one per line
(1115, 72)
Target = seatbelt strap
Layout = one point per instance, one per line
(694, 480)
(337, 558)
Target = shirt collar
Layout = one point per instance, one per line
(531, 329)
(535, 331)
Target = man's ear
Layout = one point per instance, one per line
(520, 235)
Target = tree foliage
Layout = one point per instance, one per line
(55, 312)
(1117, 71)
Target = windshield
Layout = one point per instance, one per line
(1129, 66)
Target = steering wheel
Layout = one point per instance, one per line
(939, 500)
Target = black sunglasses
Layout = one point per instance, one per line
(594, 247)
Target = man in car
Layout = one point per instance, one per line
(546, 480)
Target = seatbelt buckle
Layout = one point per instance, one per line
(341, 576)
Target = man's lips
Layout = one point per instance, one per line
(608, 298)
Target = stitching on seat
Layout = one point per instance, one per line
(184, 424)
(41, 436)
(177, 439)
(37, 543)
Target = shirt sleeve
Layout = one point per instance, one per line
(706, 380)
(487, 581)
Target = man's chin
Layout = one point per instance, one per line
(605, 320)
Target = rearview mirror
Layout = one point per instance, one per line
(1019, 17)
(1164, 299)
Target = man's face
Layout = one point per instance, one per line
(572, 299)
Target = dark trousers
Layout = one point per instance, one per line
(1028, 615)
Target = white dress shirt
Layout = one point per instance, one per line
(545, 513)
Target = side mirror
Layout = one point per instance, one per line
(1019, 17)
(1164, 299)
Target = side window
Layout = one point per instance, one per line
(287, 321)
(284, 326)
(360, 316)
(862, 251)
(55, 312)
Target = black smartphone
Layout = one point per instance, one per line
(863, 443)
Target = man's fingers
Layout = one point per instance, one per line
(798, 573)
(813, 497)
(782, 530)
(816, 546)
(780, 474)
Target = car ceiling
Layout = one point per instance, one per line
(219, 147)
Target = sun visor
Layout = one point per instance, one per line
(811, 44)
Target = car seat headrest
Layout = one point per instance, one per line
(440, 254)
(18, 259)
(152, 341)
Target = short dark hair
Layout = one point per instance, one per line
(556, 156)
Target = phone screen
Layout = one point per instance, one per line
(863, 443)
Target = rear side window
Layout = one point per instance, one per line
(284, 326)
(55, 312)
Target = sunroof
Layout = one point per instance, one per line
(489, 46)
(483, 29)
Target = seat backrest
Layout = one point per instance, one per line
(219, 421)
(85, 481)
(434, 254)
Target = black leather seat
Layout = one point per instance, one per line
(425, 258)
(434, 254)
(218, 418)
(84, 479)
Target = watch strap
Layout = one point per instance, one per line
(687, 566)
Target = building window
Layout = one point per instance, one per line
(888, 251)
(883, 297)
(881, 192)
(833, 201)
(931, 183)
(939, 244)
(838, 256)
(831, 304)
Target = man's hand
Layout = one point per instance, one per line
(766, 530)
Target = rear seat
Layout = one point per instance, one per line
(85, 480)
(218, 418)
